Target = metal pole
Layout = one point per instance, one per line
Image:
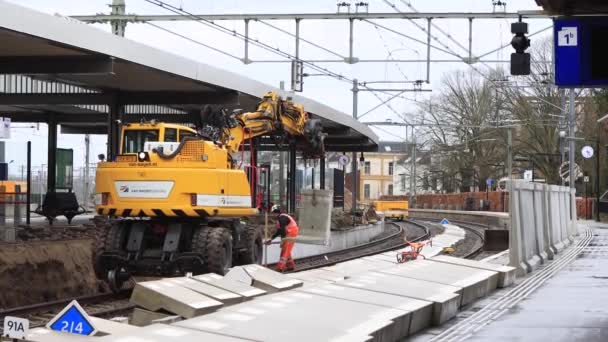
(297, 39)
(52, 153)
(414, 160)
(428, 51)
(87, 144)
(354, 160)
(562, 121)
(28, 194)
(350, 41)
(471, 40)
(322, 174)
(246, 52)
(597, 175)
(572, 142)
(118, 26)
(510, 166)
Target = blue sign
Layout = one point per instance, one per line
(489, 182)
(579, 52)
(444, 221)
(72, 320)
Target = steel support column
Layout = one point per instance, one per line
(282, 179)
(292, 177)
(114, 119)
(322, 173)
(51, 154)
(355, 183)
(571, 141)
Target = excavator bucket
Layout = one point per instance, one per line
(314, 137)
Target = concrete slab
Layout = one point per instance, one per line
(297, 316)
(142, 317)
(506, 274)
(157, 295)
(355, 267)
(221, 295)
(417, 313)
(163, 333)
(108, 327)
(46, 335)
(317, 275)
(263, 278)
(476, 283)
(445, 298)
(244, 290)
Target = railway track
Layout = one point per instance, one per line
(475, 229)
(98, 305)
(387, 243)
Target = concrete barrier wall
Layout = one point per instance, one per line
(543, 222)
(492, 219)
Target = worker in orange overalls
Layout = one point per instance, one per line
(287, 228)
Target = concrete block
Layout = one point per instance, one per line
(163, 333)
(142, 317)
(314, 219)
(417, 313)
(319, 274)
(296, 316)
(475, 283)
(356, 267)
(210, 291)
(506, 274)
(263, 278)
(109, 327)
(157, 295)
(244, 290)
(445, 298)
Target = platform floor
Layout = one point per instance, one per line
(571, 306)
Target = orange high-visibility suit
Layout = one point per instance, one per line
(287, 228)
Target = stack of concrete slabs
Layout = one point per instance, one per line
(244, 290)
(297, 316)
(476, 283)
(416, 313)
(210, 291)
(164, 332)
(159, 294)
(506, 274)
(445, 298)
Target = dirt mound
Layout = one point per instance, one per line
(44, 271)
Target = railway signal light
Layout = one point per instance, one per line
(520, 60)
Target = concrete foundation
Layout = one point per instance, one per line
(493, 219)
(163, 333)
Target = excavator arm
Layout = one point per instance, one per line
(276, 117)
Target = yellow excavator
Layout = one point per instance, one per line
(173, 199)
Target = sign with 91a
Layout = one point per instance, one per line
(15, 327)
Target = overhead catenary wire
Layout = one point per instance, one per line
(302, 39)
(194, 41)
(258, 43)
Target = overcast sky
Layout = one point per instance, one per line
(370, 43)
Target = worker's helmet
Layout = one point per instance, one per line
(276, 209)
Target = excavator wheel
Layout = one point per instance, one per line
(108, 237)
(218, 254)
(254, 243)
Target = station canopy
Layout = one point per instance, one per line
(574, 6)
(54, 67)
